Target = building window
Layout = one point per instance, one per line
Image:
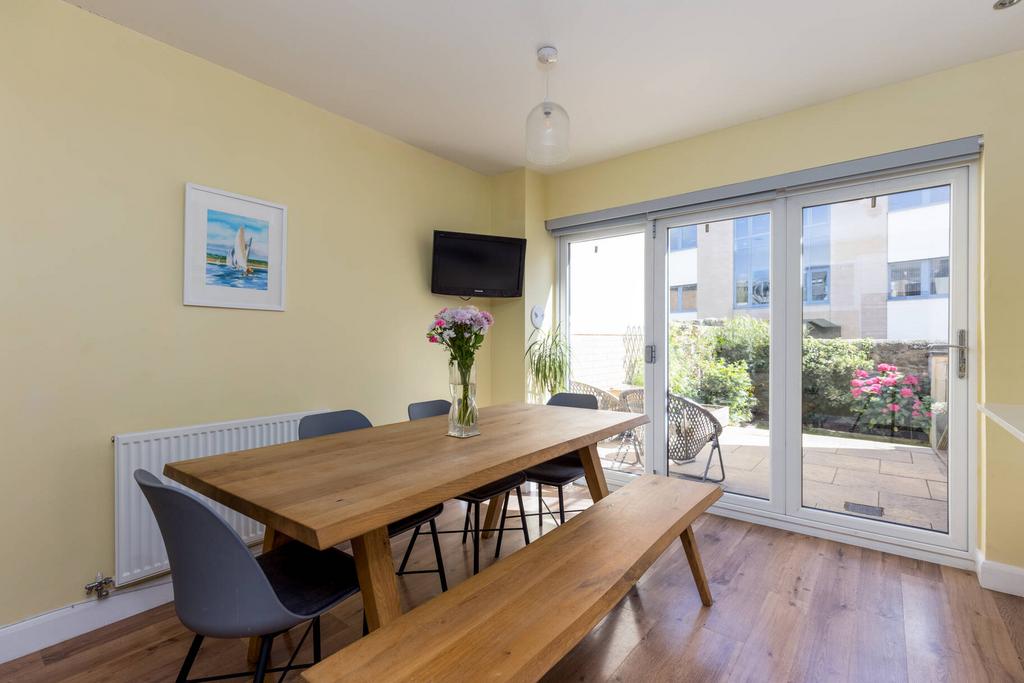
(683, 299)
(682, 238)
(924, 277)
(816, 281)
(938, 283)
(751, 260)
(817, 253)
(918, 198)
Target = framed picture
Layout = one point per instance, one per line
(234, 250)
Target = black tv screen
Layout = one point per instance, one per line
(477, 265)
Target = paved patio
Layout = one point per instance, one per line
(872, 479)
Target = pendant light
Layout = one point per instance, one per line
(547, 126)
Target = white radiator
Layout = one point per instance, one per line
(138, 548)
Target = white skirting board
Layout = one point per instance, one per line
(996, 576)
(50, 628)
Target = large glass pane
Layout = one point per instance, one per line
(606, 335)
(874, 394)
(719, 290)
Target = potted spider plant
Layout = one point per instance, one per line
(548, 359)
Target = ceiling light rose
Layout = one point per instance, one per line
(1003, 4)
(547, 125)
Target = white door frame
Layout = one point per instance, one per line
(960, 406)
(777, 358)
(963, 177)
(613, 477)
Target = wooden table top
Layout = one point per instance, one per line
(333, 488)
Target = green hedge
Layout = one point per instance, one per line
(728, 364)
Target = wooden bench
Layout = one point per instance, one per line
(516, 619)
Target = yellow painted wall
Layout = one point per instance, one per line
(518, 211)
(100, 128)
(1003, 477)
(508, 216)
(983, 97)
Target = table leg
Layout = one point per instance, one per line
(696, 566)
(376, 570)
(493, 514)
(272, 538)
(594, 472)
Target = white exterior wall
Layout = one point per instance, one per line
(919, 233)
(682, 267)
(919, 319)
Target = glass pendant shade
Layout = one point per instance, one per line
(547, 134)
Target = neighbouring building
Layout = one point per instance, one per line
(874, 268)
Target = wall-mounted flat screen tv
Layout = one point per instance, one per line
(477, 265)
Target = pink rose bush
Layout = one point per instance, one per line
(889, 398)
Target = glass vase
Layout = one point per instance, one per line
(463, 414)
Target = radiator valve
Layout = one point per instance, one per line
(101, 586)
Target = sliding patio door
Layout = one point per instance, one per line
(718, 413)
(604, 316)
(809, 352)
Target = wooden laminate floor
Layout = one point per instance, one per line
(788, 608)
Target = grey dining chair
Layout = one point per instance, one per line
(474, 498)
(222, 591)
(323, 424)
(563, 470)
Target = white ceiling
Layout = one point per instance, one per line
(457, 77)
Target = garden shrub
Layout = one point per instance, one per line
(726, 363)
(696, 373)
(745, 339)
(828, 365)
(726, 384)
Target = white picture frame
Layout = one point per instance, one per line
(235, 250)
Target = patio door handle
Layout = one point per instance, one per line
(961, 352)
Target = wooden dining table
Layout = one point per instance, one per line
(350, 486)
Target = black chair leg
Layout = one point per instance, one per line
(476, 538)
(261, 666)
(408, 550)
(317, 651)
(190, 658)
(522, 515)
(465, 527)
(561, 506)
(438, 557)
(540, 508)
(501, 527)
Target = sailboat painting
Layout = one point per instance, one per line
(237, 248)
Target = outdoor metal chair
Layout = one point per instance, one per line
(605, 400)
(691, 427)
(632, 401)
(222, 591)
(323, 424)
